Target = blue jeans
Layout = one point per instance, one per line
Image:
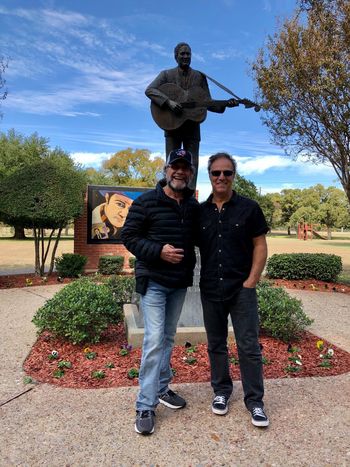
(161, 308)
(245, 320)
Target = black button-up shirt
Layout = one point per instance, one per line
(226, 244)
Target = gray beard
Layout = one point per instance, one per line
(176, 190)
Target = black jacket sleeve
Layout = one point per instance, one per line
(134, 234)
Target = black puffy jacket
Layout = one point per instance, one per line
(154, 220)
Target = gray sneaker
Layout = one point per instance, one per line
(172, 400)
(144, 422)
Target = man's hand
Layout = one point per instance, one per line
(232, 103)
(249, 284)
(172, 254)
(174, 106)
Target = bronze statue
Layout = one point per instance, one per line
(180, 98)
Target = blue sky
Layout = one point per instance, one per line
(78, 71)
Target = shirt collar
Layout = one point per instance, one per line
(232, 200)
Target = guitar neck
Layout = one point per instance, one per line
(206, 104)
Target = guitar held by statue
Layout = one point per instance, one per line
(194, 105)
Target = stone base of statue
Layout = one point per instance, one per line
(190, 326)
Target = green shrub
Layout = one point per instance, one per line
(122, 288)
(110, 264)
(318, 266)
(70, 265)
(80, 312)
(132, 261)
(281, 316)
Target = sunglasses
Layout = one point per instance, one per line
(217, 173)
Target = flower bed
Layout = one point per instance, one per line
(108, 363)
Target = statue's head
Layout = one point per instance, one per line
(182, 53)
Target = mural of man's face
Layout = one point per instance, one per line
(116, 208)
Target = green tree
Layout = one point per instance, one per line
(17, 151)
(133, 168)
(274, 199)
(304, 214)
(97, 177)
(291, 200)
(268, 208)
(303, 79)
(327, 207)
(333, 209)
(247, 188)
(44, 195)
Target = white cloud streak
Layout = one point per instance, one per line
(90, 159)
(95, 70)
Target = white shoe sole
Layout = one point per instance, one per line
(261, 424)
(175, 407)
(143, 433)
(219, 412)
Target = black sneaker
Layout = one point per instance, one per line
(220, 405)
(144, 422)
(172, 400)
(259, 418)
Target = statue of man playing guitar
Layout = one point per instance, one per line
(180, 98)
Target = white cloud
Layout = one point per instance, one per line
(260, 165)
(95, 159)
(153, 155)
(95, 70)
(274, 189)
(226, 54)
(62, 19)
(267, 5)
(90, 159)
(252, 165)
(204, 190)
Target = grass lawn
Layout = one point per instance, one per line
(20, 253)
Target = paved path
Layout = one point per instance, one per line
(50, 426)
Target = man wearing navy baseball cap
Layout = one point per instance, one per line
(160, 232)
(179, 155)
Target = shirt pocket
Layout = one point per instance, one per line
(236, 230)
(208, 233)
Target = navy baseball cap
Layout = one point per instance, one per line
(179, 155)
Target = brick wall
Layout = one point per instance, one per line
(92, 250)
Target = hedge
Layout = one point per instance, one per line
(110, 264)
(320, 266)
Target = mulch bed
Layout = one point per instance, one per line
(39, 366)
(27, 280)
(11, 281)
(313, 285)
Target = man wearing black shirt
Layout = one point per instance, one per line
(233, 255)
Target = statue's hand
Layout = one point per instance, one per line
(232, 103)
(174, 107)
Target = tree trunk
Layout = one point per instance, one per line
(37, 251)
(52, 262)
(329, 233)
(19, 233)
(288, 230)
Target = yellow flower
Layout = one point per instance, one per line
(319, 345)
(87, 350)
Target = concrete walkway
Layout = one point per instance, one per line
(50, 426)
